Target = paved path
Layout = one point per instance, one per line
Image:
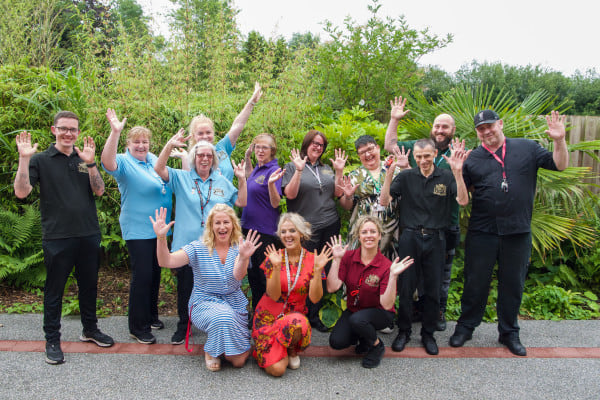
(563, 362)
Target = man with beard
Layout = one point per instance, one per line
(442, 132)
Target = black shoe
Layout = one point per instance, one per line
(374, 356)
(400, 342)
(441, 322)
(54, 354)
(458, 339)
(430, 345)
(514, 345)
(179, 336)
(144, 338)
(97, 337)
(158, 324)
(318, 325)
(362, 347)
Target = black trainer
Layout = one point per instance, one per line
(97, 337)
(54, 354)
(158, 324)
(440, 325)
(179, 336)
(362, 347)
(144, 338)
(374, 356)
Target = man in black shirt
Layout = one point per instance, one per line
(426, 195)
(502, 174)
(68, 179)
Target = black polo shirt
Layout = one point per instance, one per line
(496, 211)
(66, 199)
(425, 202)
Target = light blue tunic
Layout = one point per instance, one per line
(188, 212)
(217, 304)
(142, 192)
(224, 148)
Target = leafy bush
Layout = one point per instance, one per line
(555, 303)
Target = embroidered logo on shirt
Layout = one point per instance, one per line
(372, 280)
(221, 154)
(81, 167)
(219, 192)
(260, 179)
(440, 189)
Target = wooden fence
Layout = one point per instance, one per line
(584, 128)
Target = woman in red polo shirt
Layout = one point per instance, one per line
(370, 280)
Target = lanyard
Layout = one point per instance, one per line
(504, 184)
(377, 183)
(317, 176)
(288, 275)
(202, 205)
(438, 162)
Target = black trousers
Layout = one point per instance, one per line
(361, 325)
(256, 276)
(320, 237)
(482, 252)
(60, 256)
(185, 284)
(144, 286)
(428, 252)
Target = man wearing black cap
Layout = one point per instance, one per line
(501, 174)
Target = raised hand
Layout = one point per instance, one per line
(458, 154)
(273, 255)
(556, 125)
(399, 267)
(347, 186)
(298, 161)
(24, 146)
(249, 151)
(401, 159)
(239, 169)
(247, 247)
(340, 160)
(398, 111)
(159, 223)
(115, 125)
(257, 93)
(338, 249)
(276, 175)
(322, 259)
(89, 150)
(179, 139)
(178, 153)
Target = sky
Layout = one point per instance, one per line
(559, 35)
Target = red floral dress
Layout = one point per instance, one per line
(274, 327)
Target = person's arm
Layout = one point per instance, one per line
(348, 190)
(245, 250)
(388, 298)
(315, 289)
(338, 167)
(242, 195)
(291, 189)
(391, 134)
(240, 121)
(557, 132)
(22, 185)
(88, 155)
(274, 196)
(334, 283)
(165, 258)
(248, 160)
(109, 153)
(160, 166)
(458, 155)
(399, 160)
(273, 288)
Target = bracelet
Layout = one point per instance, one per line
(348, 197)
(161, 238)
(92, 165)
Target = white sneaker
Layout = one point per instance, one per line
(294, 362)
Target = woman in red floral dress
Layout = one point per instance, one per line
(281, 329)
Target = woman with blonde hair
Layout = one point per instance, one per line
(219, 263)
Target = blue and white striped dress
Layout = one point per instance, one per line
(218, 305)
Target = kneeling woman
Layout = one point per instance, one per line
(219, 263)
(370, 280)
(281, 329)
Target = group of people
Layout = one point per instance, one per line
(404, 229)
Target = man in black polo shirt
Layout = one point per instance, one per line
(502, 174)
(426, 196)
(68, 179)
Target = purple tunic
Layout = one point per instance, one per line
(258, 214)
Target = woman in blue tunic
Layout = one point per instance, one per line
(219, 263)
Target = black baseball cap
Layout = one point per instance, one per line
(485, 117)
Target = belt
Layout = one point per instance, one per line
(423, 231)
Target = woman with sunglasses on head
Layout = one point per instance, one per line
(370, 280)
(196, 193)
(294, 275)
(310, 188)
(219, 261)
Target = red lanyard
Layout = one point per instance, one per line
(202, 205)
(504, 184)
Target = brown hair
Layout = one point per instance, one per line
(363, 220)
(308, 138)
(138, 131)
(65, 114)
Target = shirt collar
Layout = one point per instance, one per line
(132, 158)
(376, 260)
(53, 151)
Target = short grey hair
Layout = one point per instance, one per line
(192, 155)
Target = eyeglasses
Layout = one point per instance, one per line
(207, 156)
(64, 129)
(264, 148)
(317, 144)
(369, 149)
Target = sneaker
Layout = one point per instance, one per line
(179, 336)
(54, 354)
(144, 338)
(374, 356)
(158, 324)
(97, 337)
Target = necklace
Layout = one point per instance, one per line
(288, 275)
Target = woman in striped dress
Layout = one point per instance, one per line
(219, 263)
